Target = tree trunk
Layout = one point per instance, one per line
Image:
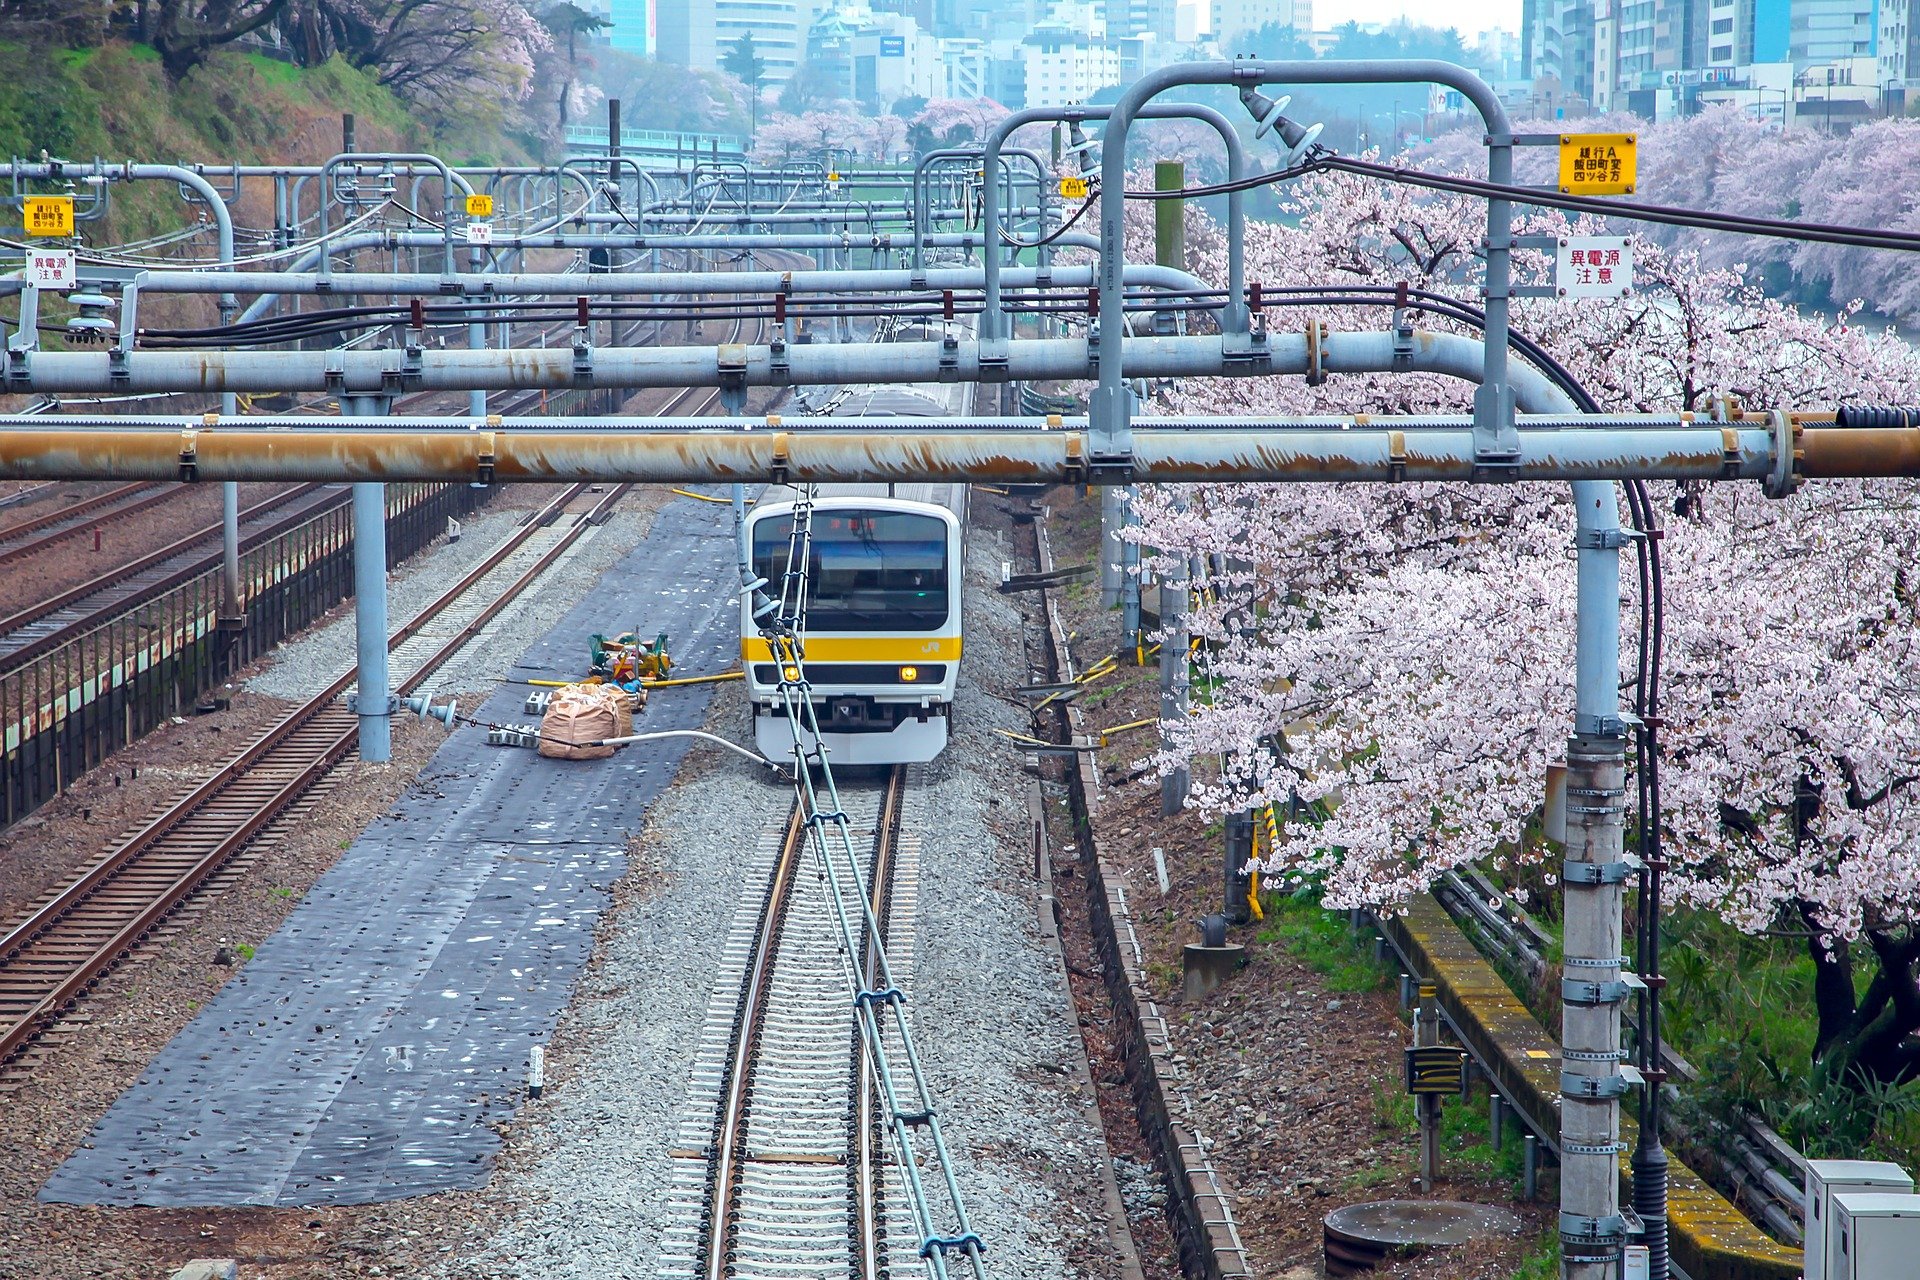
(1875, 1039)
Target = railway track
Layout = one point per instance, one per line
(30, 537)
(26, 633)
(53, 956)
(780, 1168)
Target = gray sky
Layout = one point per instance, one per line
(1469, 17)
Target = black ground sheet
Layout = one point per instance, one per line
(364, 1052)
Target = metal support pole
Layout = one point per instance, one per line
(1426, 1034)
(1169, 230)
(1111, 554)
(1236, 882)
(373, 704)
(1174, 677)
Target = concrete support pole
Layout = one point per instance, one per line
(1592, 1229)
(370, 605)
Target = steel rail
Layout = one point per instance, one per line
(279, 522)
(311, 739)
(868, 1149)
(49, 526)
(731, 1129)
(329, 730)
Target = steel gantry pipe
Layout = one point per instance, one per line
(559, 368)
(1234, 318)
(1002, 450)
(1110, 410)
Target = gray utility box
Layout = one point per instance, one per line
(1878, 1235)
(1827, 1179)
(1840, 1177)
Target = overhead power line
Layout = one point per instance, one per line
(1606, 207)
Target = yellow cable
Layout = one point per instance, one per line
(1122, 728)
(723, 675)
(703, 497)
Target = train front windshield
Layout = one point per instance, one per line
(866, 570)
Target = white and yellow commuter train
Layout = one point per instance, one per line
(883, 632)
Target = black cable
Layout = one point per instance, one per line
(1672, 215)
(1093, 190)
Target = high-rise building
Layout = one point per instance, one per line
(634, 27)
(1823, 32)
(1235, 19)
(1140, 18)
(1679, 35)
(700, 33)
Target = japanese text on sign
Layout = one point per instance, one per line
(49, 215)
(1593, 267)
(52, 269)
(479, 206)
(1073, 188)
(1598, 164)
(479, 233)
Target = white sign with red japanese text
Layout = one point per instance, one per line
(52, 269)
(479, 233)
(1594, 267)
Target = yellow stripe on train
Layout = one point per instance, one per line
(862, 649)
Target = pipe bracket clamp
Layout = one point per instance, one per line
(1396, 456)
(483, 461)
(1592, 1088)
(1785, 477)
(1582, 991)
(779, 470)
(1110, 468)
(1596, 874)
(189, 455)
(1583, 1226)
(1595, 962)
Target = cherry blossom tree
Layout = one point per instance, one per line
(947, 121)
(1403, 654)
(456, 56)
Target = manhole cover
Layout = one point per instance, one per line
(1360, 1236)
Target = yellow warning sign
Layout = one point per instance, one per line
(1073, 188)
(479, 206)
(1598, 164)
(49, 215)
(833, 177)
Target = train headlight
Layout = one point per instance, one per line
(909, 674)
(790, 673)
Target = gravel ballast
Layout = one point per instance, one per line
(581, 1189)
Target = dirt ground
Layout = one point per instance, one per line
(1294, 1079)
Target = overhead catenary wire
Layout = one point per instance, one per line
(1322, 161)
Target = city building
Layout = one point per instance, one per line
(1827, 32)
(1232, 20)
(1068, 57)
(634, 28)
(700, 33)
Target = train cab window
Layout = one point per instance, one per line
(867, 570)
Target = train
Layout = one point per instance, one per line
(883, 633)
